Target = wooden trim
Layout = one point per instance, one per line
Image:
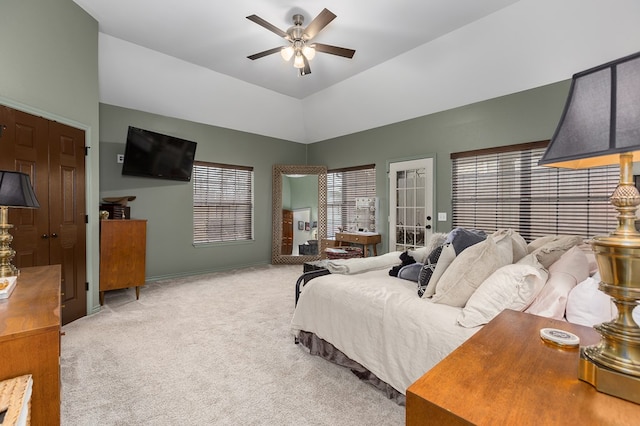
(222, 166)
(353, 169)
(500, 149)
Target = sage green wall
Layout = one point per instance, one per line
(167, 205)
(527, 116)
(49, 51)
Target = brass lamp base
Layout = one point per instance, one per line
(613, 365)
(7, 269)
(606, 380)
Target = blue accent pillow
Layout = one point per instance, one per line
(410, 272)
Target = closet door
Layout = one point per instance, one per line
(52, 154)
(67, 228)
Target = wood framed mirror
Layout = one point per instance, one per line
(298, 189)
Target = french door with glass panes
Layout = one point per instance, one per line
(411, 204)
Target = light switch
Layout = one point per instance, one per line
(442, 216)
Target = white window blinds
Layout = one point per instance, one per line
(222, 203)
(343, 187)
(505, 188)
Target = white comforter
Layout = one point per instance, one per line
(380, 322)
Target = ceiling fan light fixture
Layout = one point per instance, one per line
(309, 52)
(301, 47)
(287, 53)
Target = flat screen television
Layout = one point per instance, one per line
(154, 155)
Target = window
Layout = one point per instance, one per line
(505, 188)
(343, 186)
(222, 203)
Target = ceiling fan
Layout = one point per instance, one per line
(300, 46)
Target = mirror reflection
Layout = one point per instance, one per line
(299, 213)
(300, 201)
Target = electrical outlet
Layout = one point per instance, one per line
(120, 158)
(442, 216)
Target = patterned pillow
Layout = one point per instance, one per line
(427, 269)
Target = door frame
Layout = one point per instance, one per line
(91, 177)
(429, 155)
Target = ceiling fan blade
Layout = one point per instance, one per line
(264, 53)
(258, 20)
(318, 23)
(334, 50)
(306, 69)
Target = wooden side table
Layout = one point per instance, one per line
(367, 241)
(505, 374)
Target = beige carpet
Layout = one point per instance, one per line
(212, 349)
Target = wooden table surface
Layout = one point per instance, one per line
(505, 374)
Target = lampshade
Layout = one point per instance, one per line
(309, 52)
(601, 118)
(16, 190)
(286, 53)
(298, 61)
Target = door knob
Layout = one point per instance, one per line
(44, 236)
(54, 235)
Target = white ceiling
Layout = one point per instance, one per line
(216, 34)
(188, 58)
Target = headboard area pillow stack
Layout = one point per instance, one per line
(552, 276)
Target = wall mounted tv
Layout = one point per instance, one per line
(151, 154)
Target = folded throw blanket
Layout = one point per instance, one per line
(357, 265)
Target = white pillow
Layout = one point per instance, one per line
(470, 268)
(564, 275)
(510, 287)
(587, 305)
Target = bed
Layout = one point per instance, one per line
(376, 324)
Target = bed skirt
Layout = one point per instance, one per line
(326, 350)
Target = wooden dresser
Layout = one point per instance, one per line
(123, 251)
(506, 375)
(30, 339)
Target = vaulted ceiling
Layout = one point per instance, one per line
(188, 58)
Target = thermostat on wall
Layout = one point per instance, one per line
(559, 337)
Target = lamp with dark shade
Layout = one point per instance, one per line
(15, 191)
(600, 126)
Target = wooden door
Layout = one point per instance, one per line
(52, 154)
(67, 228)
(287, 232)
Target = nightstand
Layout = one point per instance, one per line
(505, 374)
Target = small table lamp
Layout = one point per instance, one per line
(600, 126)
(15, 191)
